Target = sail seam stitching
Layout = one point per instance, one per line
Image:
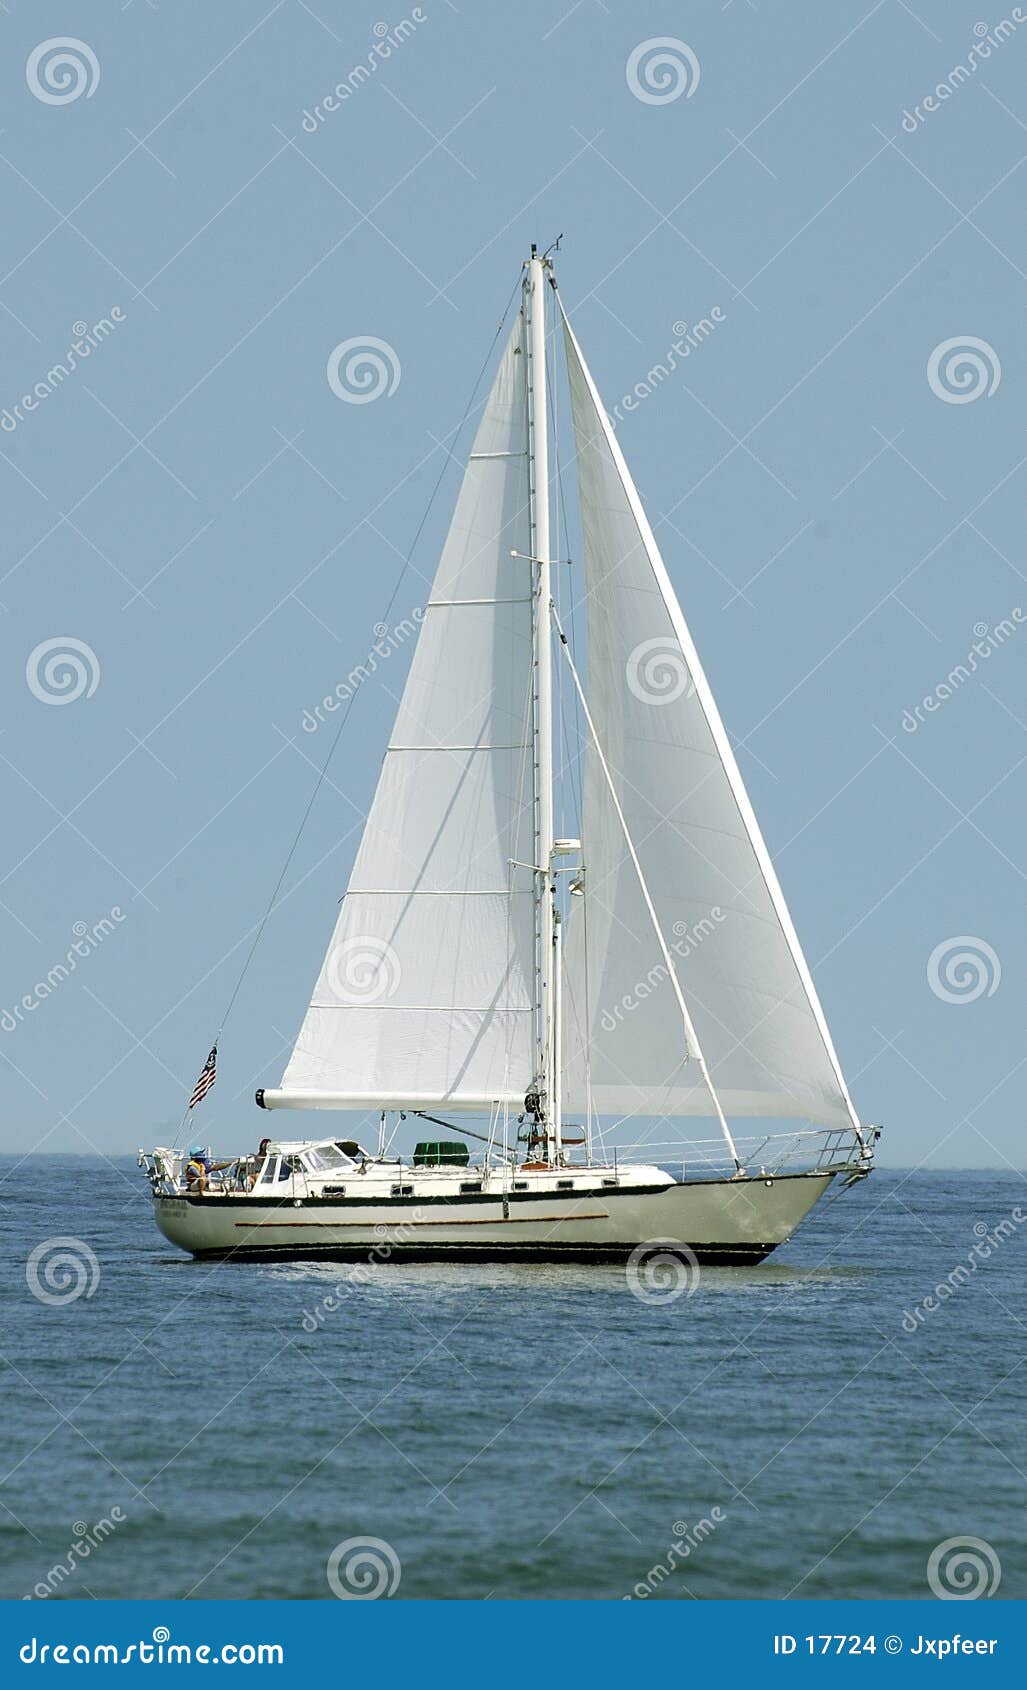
(433, 1008)
(456, 747)
(434, 892)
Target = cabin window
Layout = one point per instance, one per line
(471, 1185)
(609, 1182)
(401, 1191)
(565, 1185)
(287, 1166)
(325, 1158)
(520, 1185)
(267, 1177)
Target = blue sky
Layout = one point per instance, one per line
(838, 495)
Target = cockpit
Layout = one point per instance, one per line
(277, 1170)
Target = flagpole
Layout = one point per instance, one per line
(193, 1097)
(181, 1124)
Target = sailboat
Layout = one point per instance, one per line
(449, 993)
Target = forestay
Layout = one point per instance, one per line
(755, 1011)
(427, 990)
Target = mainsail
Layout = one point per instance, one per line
(719, 906)
(426, 994)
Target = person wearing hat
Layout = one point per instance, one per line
(199, 1168)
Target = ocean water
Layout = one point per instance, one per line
(808, 1427)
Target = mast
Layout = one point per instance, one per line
(547, 953)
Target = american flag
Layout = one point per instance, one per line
(208, 1074)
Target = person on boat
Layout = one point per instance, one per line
(536, 1133)
(258, 1161)
(199, 1168)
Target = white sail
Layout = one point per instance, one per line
(427, 990)
(755, 1011)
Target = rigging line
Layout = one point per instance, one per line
(525, 800)
(517, 830)
(350, 702)
(567, 744)
(572, 743)
(574, 747)
(450, 1126)
(562, 502)
(537, 938)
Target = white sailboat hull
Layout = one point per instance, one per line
(725, 1221)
